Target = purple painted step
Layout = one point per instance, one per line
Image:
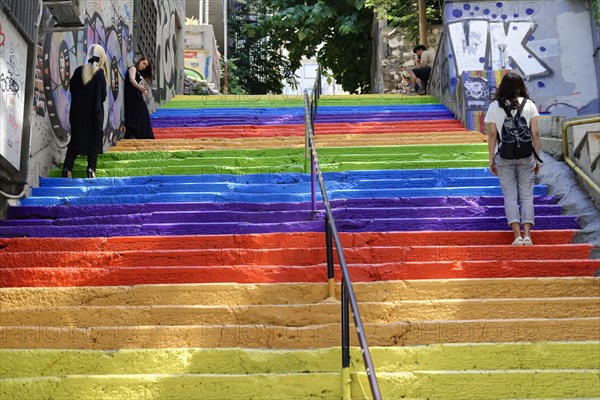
(268, 216)
(180, 121)
(359, 225)
(57, 212)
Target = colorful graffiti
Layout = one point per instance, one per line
(166, 71)
(547, 42)
(63, 52)
(13, 62)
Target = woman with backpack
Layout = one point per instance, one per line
(513, 148)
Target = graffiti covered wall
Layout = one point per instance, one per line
(109, 23)
(13, 70)
(548, 42)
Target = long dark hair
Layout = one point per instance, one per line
(511, 88)
(147, 73)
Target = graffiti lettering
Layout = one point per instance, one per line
(63, 52)
(166, 71)
(506, 41)
(8, 84)
(2, 37)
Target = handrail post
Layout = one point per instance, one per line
(345, 343)
(306, 132)
(313, 183)
(330, 270)
(331, 235)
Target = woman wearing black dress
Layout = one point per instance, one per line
(137, 117)
(86, 115)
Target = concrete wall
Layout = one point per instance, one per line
(201, 54)
(110, 24)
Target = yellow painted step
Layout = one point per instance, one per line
(302, 314)
(240, 294)
(566, 384)
(21, 363)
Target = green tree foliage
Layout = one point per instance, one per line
(336, 32)
(405, 14)
(260, 65)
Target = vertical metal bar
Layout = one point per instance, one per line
(306, 131)
(329, 248)
(345, 326)
(313, 178)
(346, 380)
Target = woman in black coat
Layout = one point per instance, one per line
(137, 117)
(86, 115)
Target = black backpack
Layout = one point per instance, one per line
(515, 136)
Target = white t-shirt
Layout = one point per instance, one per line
(495, 114)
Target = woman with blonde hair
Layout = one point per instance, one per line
(86, 115)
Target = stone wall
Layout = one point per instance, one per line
(396, 55)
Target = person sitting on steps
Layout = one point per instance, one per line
(423, 63)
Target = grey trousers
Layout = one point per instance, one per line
(517, 179)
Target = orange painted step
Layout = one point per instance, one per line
(279, 240)
(115, 276)
(320, 129)
(273, 255)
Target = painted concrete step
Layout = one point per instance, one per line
(365, 109)
(280, 240)
(243, 227)
(22, 363)
(282, 336)
(57, 212)
(301, 315)
(440, 385)
(104, 186)
(571, 364)
(352, 177)
(265, 119)
(293, 100)
(269, 215)
(270, 293)
(324, 131)
(115, 276)
(297, 256)
(287, 160)
(171, 140)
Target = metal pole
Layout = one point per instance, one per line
(329, 247)
(345, 341)
(206, 20)
(200, 12)
(313, 192)
(225, 46)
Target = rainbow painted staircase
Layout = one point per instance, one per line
(195, 268)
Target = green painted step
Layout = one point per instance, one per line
(247, 161)
(279, 101)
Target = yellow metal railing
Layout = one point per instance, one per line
(565, 147)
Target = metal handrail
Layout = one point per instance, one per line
(331, 235)
(565, 146)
